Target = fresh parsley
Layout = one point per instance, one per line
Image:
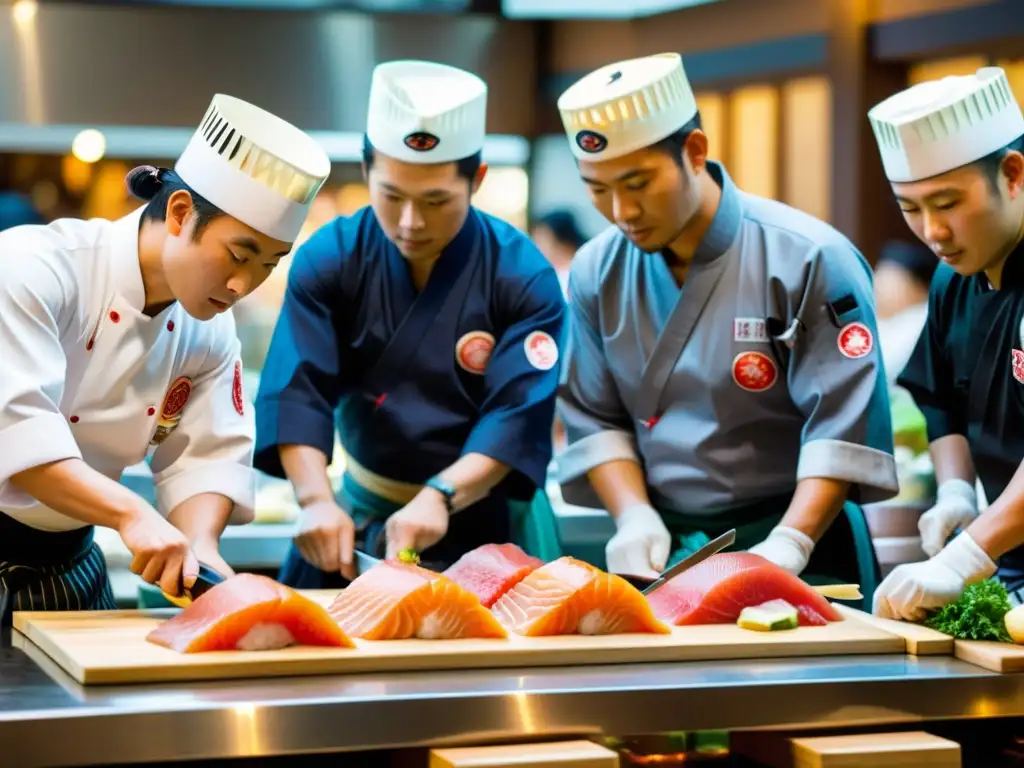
(979, 614)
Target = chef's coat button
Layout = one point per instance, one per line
(151, 410)
(170, 325)
(114, 316)
(74, 419)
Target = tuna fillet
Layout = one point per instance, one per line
(492, 570)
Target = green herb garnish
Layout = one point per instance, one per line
(979, 614)
(408, 555)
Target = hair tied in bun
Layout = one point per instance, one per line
(143, 182)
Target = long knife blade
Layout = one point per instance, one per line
(364, 562)
(712, 547)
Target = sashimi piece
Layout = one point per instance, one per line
(716, 590)
(571, 597)
(249, 612)
(492, 570)
(397, 601)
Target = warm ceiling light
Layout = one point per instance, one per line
(24, 11)
(89, 145)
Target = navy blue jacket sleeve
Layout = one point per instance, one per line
(301, 381)
(928, 375)
(521, 383)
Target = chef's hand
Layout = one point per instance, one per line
(418, 525)
(640, 546)
(914, 589)
(326, 538)
(956, 507)
(786, 547)
(161, 553)
(207, 552)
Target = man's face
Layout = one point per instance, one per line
(421, 208)
(969, 222)
(648, 194)
(228, 261)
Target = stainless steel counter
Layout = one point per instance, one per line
(46, 719)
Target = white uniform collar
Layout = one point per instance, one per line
(124, 259)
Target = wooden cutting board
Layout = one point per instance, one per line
(109, 647)
(998, 657)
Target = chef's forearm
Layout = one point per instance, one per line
(306, 469)
(815, 505)
(75, 489)
(1001, 528)
(202, 518)
(619, 484)
(951, 458)
(473, 476)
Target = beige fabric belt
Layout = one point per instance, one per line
(395, 491)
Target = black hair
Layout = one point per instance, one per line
(16, 209)
(465, 167)
(563, 226)
(990, 164)
(156, 185)
(673, 144)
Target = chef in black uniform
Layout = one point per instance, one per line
(952, 151)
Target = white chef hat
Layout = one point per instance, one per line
(934, 127)
(423, 112)
(626, 106)
(254, 166)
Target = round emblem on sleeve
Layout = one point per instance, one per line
(754, 371)
(236, 389)
(591, 141)
(541, 350)
(1017, 364)
(855, 340)
(474, 350)
(421, 141)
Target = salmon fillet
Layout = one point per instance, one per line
(492, 570)
(571, 597)
(249, 612)
(716, 590)
(397, 601)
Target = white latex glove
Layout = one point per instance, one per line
(786, 547)
(912, 590)
(641, 545)
(956, 506)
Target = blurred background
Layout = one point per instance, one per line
(90, 88)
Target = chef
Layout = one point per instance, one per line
(118, 345)
(431, 329)
(723, 370)
(952, 151)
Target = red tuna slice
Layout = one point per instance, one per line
(491, 570)
(716, 590)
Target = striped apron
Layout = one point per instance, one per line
(50, 571)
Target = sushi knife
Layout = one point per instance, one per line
(712, 547)
(205, 581)
(365, 562)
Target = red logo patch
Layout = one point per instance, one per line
(1017, 364)
(474, 350)
(176, 398)
(754, 371)
(421, 141)
(591, 141)
(855, 340)
(236, 389)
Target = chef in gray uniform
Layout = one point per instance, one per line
(723, 370)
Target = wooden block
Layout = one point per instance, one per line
(998, 657)
(571, 754)
(877, 750)
(921, 641)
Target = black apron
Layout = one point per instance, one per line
(50, 571)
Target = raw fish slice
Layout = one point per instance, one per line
(716, 590)
(571, 597)
(397, 601)
(492, 570)
(249, 612)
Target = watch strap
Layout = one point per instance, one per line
(446, 489)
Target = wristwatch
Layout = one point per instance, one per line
(446, 489)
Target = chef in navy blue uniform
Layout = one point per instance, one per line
(953, 151)
(426, 332)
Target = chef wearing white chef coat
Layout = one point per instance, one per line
(117, 344)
